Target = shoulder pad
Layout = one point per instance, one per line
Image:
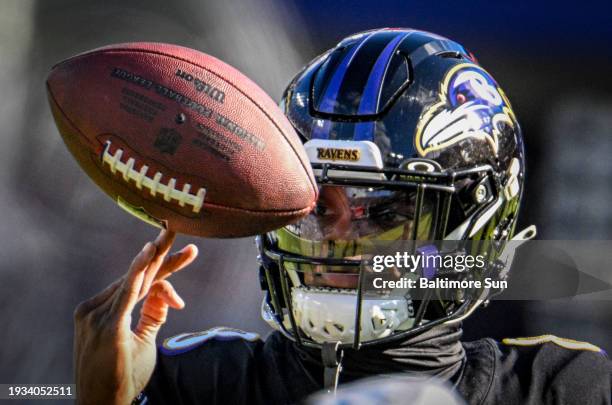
(187, 341)
(561, 342)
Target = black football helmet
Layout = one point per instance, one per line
(410, 139)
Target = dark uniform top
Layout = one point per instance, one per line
(227, 366)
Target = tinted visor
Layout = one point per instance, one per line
(354, 214)
(345, 223)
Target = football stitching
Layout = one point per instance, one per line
(168, 191)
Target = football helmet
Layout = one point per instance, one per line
(410, 139)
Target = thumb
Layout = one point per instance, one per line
(155, 309)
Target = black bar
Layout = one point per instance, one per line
(287, 295)
(357, 339)
(445, 215)
(418, 207)
(422, 307)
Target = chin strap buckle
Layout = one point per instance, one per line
(332, 356)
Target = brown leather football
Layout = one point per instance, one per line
(181, 139)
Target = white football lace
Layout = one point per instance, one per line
(154, 184)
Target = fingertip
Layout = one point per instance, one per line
(166, 234)
(192, 249)
(165, 240)
(174, 299)
(165, 290)
(179, 302)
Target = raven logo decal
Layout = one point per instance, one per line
(471, 106)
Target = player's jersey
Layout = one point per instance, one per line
(227, 366)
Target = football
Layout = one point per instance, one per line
(181, 139)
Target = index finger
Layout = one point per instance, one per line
(164, 242)
(128, 294)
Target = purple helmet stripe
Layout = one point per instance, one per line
(364, 131)
(328, 102)
(371, 94)
(321, 131)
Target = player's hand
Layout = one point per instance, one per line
(113, 363)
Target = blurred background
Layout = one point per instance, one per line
(62, 240)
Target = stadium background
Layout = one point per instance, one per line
(62, 240)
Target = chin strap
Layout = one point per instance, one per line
(332, 356)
